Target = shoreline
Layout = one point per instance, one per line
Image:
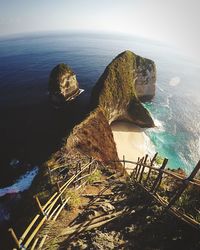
(131, 141)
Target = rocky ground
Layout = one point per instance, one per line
(116, 214)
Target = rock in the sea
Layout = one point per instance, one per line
(117, 90)
(63, 85)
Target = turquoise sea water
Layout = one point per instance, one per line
(25, 64)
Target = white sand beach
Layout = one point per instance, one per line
(130, 140)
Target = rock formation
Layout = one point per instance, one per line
(145, 78)
(63, 85)
(90, 136)
(117, 90)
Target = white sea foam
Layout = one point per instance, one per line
(149, 146)
(22, 184)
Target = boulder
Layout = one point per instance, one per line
(117, 90)
(63, 85)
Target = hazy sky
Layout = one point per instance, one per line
(172, 21)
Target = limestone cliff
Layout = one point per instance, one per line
(145, 78)
(116, 90)
(63, 85)
(93, 137)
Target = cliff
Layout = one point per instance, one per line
(118, 88)
(90, 136)
(145, 78)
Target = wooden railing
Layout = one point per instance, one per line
(144, 173)
(52, 208)
(149, 177)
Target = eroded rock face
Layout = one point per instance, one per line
(116, 92)
(63, 85)
(93, 137)
(146, 78)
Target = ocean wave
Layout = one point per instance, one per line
(149, 146)
(22, 184)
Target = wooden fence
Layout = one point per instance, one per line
(52, 208)
(150, 177)
(144, 173)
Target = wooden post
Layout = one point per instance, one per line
(152, 161)
(159, 177)
(124, 164)
(13, 235)
(139, 167)
(184, 186)
(39, 204)
(136, 168)
(143, 167)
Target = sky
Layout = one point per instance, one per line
(175, 22)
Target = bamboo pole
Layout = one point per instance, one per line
(58, 187)
(54, 211)
(39, 204)
(34, 232)
(28, 228)
(14, 236)
(60, 209)
(42, 242)
(49, 201)
(34, 244)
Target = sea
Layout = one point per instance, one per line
(31, 129)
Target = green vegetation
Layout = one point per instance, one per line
(95, 176)
(115, 91)
(56, 74)
(75, 199)
(159, 160)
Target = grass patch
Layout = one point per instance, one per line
(159, 160)
(95, 176)
(75, 199)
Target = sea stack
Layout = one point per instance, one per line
(126, 80)
(63, 85)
